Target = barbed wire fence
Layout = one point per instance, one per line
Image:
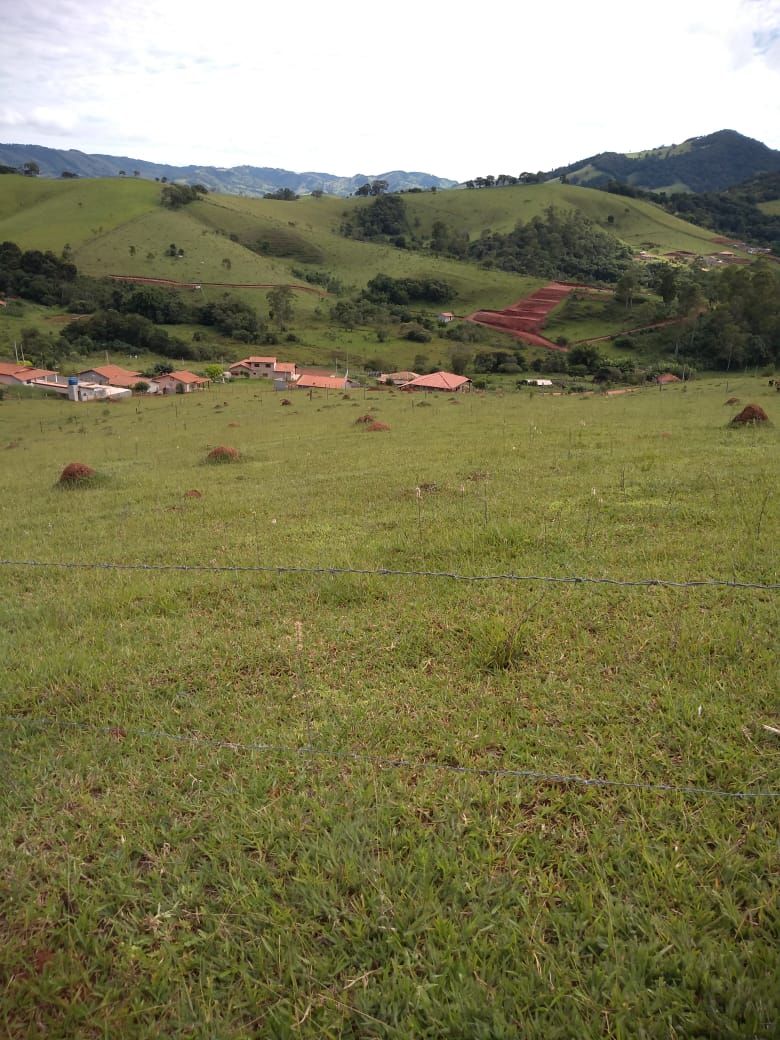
(384, 572)
(388, 762)
(404, 762)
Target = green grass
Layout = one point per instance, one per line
(173, 862)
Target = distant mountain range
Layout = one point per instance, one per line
(700, 164)
(253, 181)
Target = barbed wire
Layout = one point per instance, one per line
(384, 572)
(385, 762)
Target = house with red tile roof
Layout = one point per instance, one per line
(286, 370)
(308, 381)
(14, 374)
(188, 381)
(446, 381)
(111, 375)
(255, 367)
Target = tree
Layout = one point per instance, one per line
(585, 356)
(280, 305)
(282, 195)
(31, 168)
(175, 195)
(378, 187)
(213, 372)
(626, 288)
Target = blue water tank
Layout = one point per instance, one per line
(73, 380)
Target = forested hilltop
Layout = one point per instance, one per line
(711, 163)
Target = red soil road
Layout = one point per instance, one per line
(219, 285)
(525, 318)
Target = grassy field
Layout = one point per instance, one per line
(269, 768)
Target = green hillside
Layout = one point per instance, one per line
(324, 249)
(42, 214)
(713, 162)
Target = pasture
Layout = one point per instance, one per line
(330, 742)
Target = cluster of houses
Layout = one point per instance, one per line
(112, 382)
(287, 375)
(102, 383)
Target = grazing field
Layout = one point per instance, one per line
(327, 741)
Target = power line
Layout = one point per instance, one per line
(384, 572)
(385, 762)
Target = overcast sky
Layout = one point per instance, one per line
(454, 89)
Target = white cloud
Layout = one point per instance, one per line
(457, 92)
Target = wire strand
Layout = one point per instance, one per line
(383, 572)
(385, 762)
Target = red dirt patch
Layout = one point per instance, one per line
(733, 400)
(193, 493)
(377, 427)
(525, 318)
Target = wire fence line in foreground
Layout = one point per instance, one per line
(384, 572)
(386, 762)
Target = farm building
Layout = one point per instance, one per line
(446, 381)
(309, 381)
(76, 390)
(188, 381)
(111, 375)
(286, 371)
(254, 367)
(397, 378)
(13, 374)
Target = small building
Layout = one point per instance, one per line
(111, 375)
(286, 371)
(308, 381)
(397, 378)
(76, 390)
(254, 367)
(446, 381)
(446, 317)
(14, 374)
(188, 381)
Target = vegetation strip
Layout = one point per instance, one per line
(383, 572)
(390, 763)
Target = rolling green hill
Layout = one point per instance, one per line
(264, 239)
(228, 244)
